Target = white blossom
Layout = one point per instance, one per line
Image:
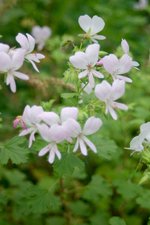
(91, 126)
(53, 135)
(65, 120)
(31, 119)
(27, 42)
(137, 142)
(86, 62)
(92, 26)
(109, 94)
(41, 35)
(10, 64)
(117, 67)
(141, 4)
(126, 50)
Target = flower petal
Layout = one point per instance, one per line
(44, 150)
(50, 118)
(69, 112)
(118, 89)
(92, 52)
(83, 148)
(103, 90)
(90, 144)
(85, 22)
(83, 74)
(125, 46)
(97, 25)
(79, 60)
(92, 125)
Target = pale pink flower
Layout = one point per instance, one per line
(117, 67)
(41, 35)
(27, 42)
(92, 26)
(53, 135)
(109, 94)
(31, 119)
(86, 61)
(126, 50)
(91, 126)
(10, 64)
(142, 4)
(137, 143)
(4, 48)
(67, 113)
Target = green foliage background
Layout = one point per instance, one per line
(100, 189)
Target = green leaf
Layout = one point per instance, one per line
(127, 189)
(96, 188)
(106, 148)
(37, 201)
(143, 199)
(117, 221)
(15, 150)
(68, 165)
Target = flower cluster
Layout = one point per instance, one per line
(55, 129)
(88, 64)
(12, 59)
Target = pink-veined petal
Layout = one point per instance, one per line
(83, 74)
(5, 62)
(50, 118)
(91, 80)
(17, 58)
(90, 144)
(69, 112)
(103, 90)
(97, 25)
(92, 125)
(83, 148)
(118, 89)
(31, 42)
(76, 146)
(85, 22)
(97, 74)
(79, 60)
(20, 75)
(44, 150)
(120, 106)
(112, 113)
(110, 63)
(31, 138)
(125, 46)
(92, 52)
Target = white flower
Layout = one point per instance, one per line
(92, 26)
(109, 94)
(142, 4)
(28, 44)
(137, 142)
(91, 126)
(116, 67)
(41, 35)
(126, 49)
(67, 113)
(4, 48)
(86, 61)
(10, 63)
(31, 119)
(53, 135)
